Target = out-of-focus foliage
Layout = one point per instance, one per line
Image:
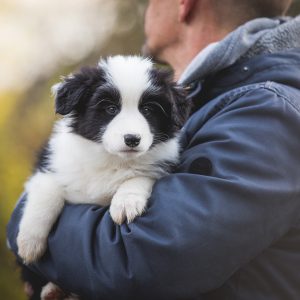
(41, 40)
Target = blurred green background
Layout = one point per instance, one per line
(41, 40)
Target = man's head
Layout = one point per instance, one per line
(161, 26)
(176, 30)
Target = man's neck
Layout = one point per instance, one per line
(180, 56)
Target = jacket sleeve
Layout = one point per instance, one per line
(236, 191)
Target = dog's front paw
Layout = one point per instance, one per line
(30, 247)
(127, 206)
(52, 292)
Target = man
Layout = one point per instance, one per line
(226, 225)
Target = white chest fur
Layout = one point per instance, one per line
(88, 174)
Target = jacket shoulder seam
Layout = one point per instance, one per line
(270, 86)
(234, 95)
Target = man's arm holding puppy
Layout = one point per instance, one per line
(200, 227)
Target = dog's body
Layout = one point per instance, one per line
(118, 135)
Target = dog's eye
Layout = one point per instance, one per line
(152, 107)
(146, 110)
(112, 110)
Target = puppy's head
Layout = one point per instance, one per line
(123, 103)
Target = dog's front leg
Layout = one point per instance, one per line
(130, 200)
(44, 204)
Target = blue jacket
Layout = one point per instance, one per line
(225, 225)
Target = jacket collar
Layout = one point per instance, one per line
(257, 37)
(282, 68)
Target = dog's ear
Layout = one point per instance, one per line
(76, 89)
(180, 107)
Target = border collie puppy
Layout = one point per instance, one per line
(118, 134)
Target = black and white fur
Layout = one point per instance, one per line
(118, 134)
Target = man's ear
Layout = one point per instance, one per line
(185, 9)
(76, 89)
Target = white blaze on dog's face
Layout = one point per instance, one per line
(129, 132)
(124, 104)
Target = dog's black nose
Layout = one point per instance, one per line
(132, 140)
